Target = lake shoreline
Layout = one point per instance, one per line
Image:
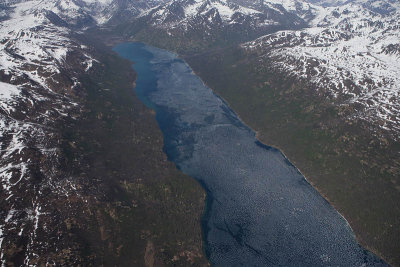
(183, 158)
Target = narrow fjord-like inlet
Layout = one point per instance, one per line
(261, 211)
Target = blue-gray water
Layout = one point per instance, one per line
(260, 210)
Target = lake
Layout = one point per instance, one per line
(260, 210)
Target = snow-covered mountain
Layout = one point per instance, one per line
(246, 18)
(351, 52)
(39, 68)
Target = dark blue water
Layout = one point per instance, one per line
(260, 211)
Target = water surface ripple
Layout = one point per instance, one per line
(261, 211)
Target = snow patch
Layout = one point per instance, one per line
(8, 95)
